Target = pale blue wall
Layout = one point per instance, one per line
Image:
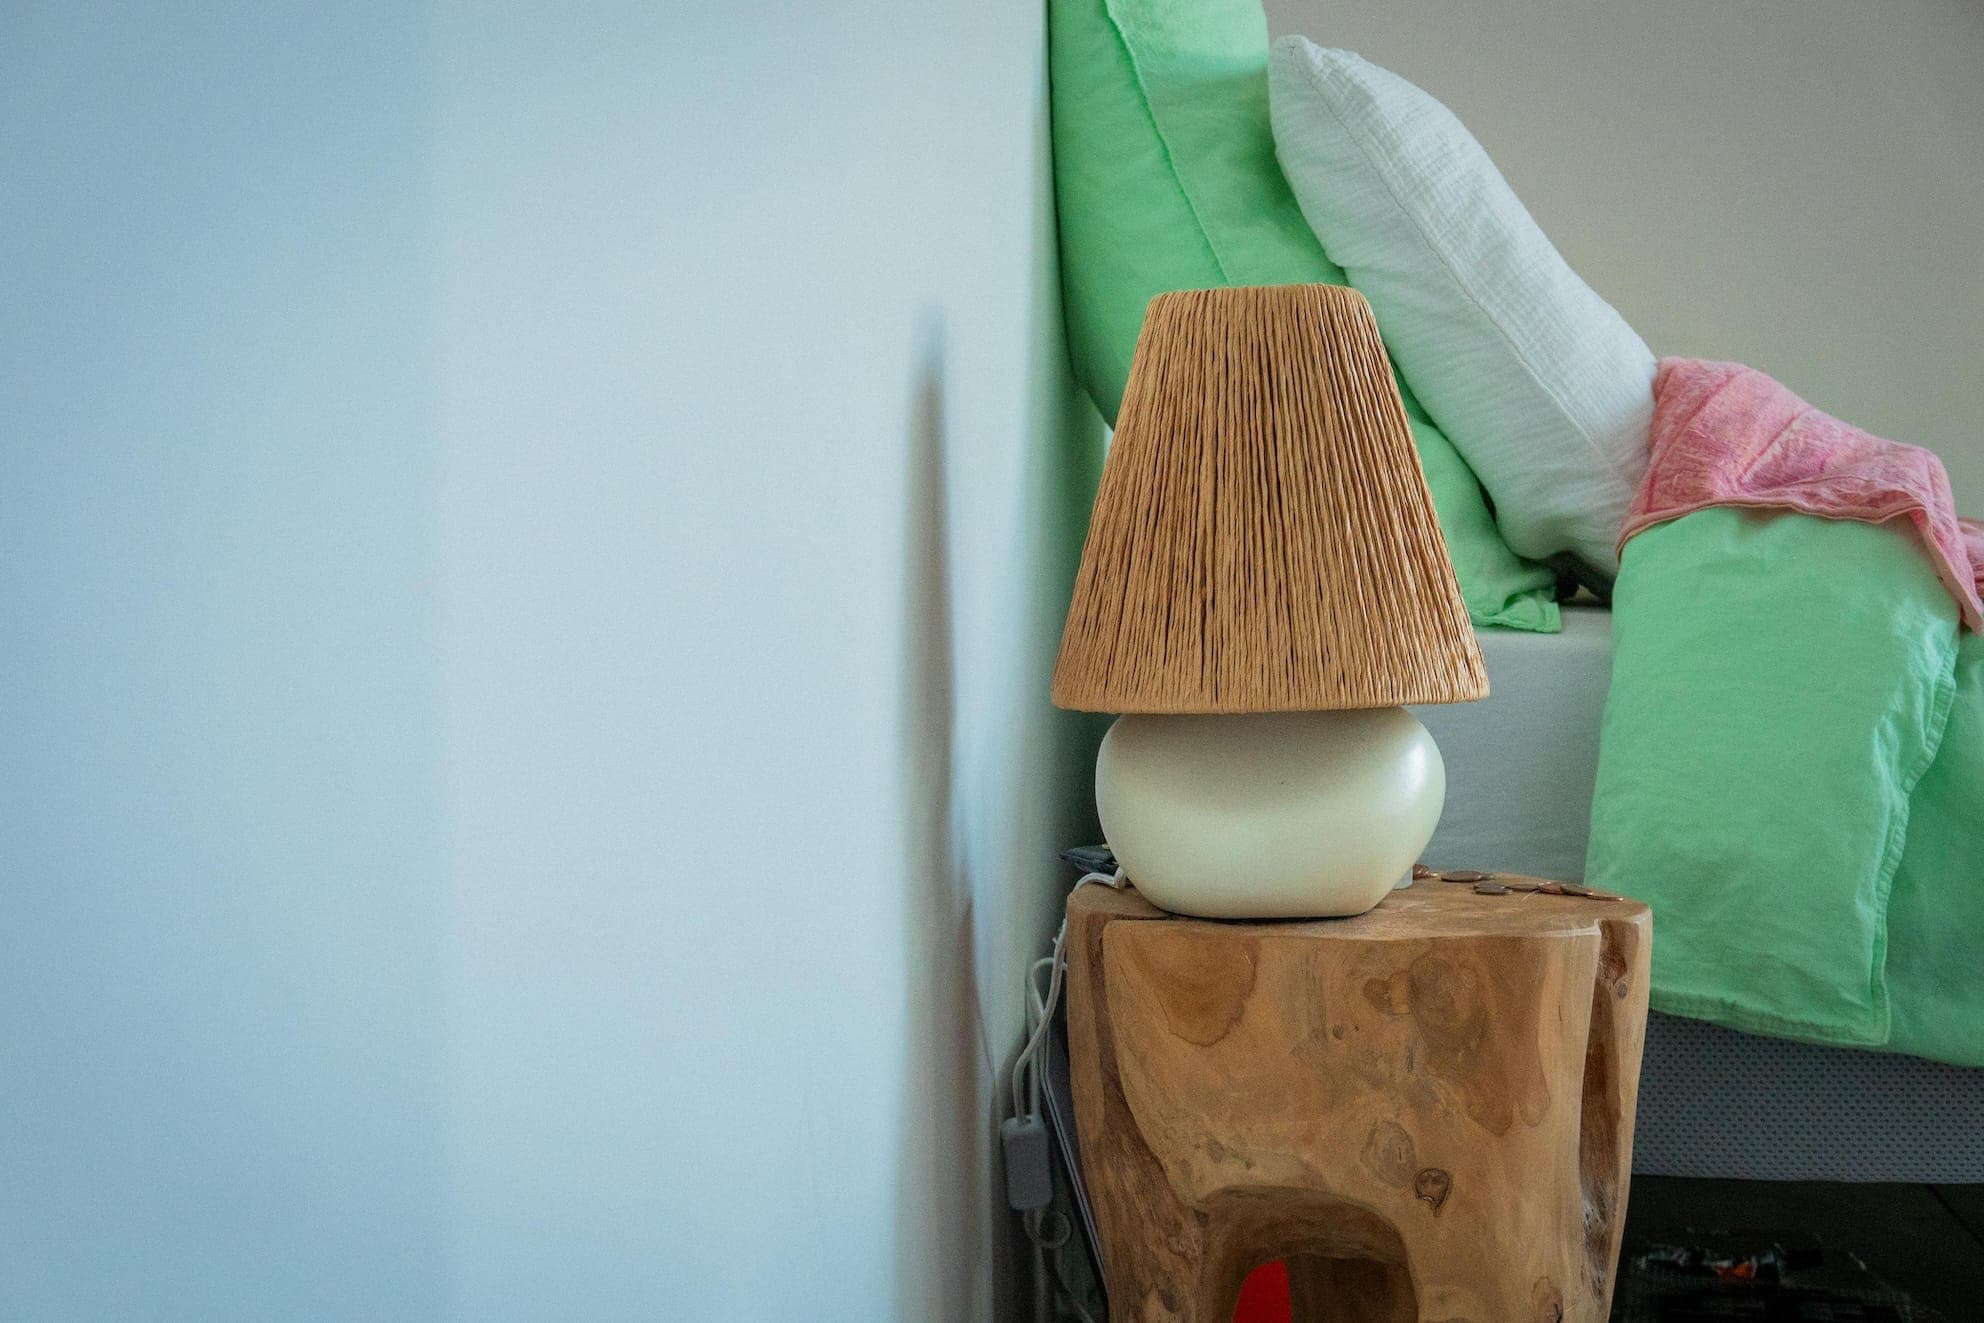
(515, 520)
(220, 1082)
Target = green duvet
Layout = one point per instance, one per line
(1792, 774)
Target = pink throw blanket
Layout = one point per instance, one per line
(1725, 434)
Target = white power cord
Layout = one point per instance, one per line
(1029, 1177)
(1040, 1008)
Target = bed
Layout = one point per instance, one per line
(1713, 1102)
(1167, 177)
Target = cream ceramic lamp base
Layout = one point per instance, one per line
(1269, 815)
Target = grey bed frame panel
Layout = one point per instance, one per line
(1715, 1102)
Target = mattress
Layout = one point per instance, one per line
(1521, 764)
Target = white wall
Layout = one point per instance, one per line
(755, 435)
(1795, 184)
(531, 541)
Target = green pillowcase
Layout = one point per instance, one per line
(1165, 177)
(1779, 685)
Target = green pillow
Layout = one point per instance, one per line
(1779, 685)
(1165, 176)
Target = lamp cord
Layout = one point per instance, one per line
(1040, 1007)
(1047, 1230)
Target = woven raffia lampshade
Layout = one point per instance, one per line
(1263, 539)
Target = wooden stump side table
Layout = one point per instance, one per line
(1426, 1110)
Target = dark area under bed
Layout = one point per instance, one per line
(1846, 1251)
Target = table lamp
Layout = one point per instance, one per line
(1263, 586)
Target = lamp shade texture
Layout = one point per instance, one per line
(1263, 539)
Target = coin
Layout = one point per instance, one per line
(1490, 889)
(1575, 889)
(1464, 875)
(1420, 871)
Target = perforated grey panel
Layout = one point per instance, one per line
(1714, 1102)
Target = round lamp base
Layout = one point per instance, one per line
(1271, 815)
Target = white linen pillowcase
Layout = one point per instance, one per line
(1541, 384)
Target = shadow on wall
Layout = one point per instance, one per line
(995, 780)
(946, 1057)
(985, 905)
(1052, 805)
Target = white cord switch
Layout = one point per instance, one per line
(1029, 1178)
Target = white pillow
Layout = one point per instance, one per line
(1542, 386)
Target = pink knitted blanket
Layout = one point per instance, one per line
(1725, 434)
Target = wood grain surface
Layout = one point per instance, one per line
(1426, 1110)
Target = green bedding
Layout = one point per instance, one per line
(1165, 178)
(1792, 774)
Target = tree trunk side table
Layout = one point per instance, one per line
(1427, 1110)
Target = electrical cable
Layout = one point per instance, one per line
(1047, 1230)
(1051, 1232)
(1040, 1009)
